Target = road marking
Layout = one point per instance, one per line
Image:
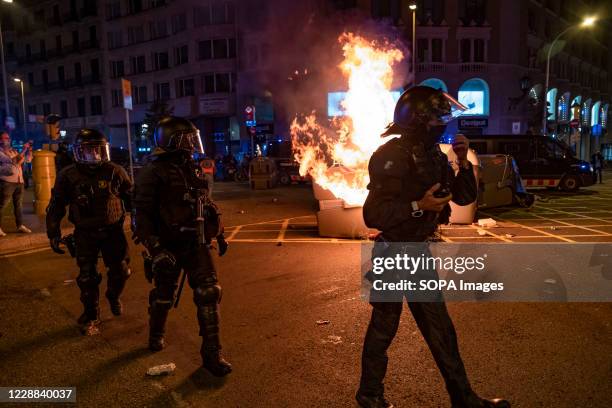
(530, 228)
(281, 233)
(234, 232)
(25, 252)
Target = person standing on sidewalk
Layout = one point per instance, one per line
(11, 179)
(597, 160)
(97, 192)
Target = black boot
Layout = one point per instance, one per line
(157, 327)
(213, 361)
(377, 401)
(115, 304)
(476, 402)
(89, 321)
(208, 318)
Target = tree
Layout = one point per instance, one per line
(156, 111)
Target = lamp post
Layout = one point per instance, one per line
(23, 107)
(413, 8)
(587, 22)
(6, 101)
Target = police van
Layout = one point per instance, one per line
(542, 161)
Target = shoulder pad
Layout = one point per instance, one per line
(390, 160)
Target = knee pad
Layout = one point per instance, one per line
(161, 298)
(207, 295)
(88, 276)
(120, 269)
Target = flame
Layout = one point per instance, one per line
(336, 156)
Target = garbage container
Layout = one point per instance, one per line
(498, 181)
(43, 176)
(262, 173)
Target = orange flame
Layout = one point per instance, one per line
(337, 156)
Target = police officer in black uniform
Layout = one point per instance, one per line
(97, 192)
(411, 183)
(165, 214)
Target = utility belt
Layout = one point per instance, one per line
(83, 227)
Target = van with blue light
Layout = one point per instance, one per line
(542, 161)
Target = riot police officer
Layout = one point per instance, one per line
(96, 192)
(165, 215)
(411, 183)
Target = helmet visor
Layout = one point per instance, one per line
(452, 109)
(188, 140)
(92, 152)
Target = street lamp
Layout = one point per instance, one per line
(586, 22)
(23, 107)
(413, 8)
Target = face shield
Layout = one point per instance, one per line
(188, 140)
(446, 108)
(92, 152)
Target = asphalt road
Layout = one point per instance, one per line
(535, 354)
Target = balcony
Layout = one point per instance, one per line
(432, 67)
(475, 68)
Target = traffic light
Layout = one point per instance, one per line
(52, 126)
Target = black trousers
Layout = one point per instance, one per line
(112, 243)
(14, 192)
(197, 262)
(436, 326)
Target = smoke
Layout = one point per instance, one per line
(305, 54)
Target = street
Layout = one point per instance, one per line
(279, 278)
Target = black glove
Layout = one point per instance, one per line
(163, 260)
(222, 244)
(55, 245)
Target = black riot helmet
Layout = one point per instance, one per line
(424, 109)
(91, 147)
(173, 134)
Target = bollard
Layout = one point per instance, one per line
(43, 176)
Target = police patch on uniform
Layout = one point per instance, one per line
(102, 184)
(388, 165)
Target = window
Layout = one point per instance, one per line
(32, 109)
(64, 109)
(435, 83)
(28, 51)
(78, 74)
(185, 87)
(61, 76)
(220, 82)
(208, 83)
(115, 39)
(205, 50)
(479, 50)
(81, 107)
(430, 10)
(474, 93)
(466, 50)
(134, 6)
(423, 50)
(223, 13)
(58, 43)
(96, 104)
(472, 10)
(138, 64)
(231, 43)
(31, 78)
(113, 9)
(135, 34)
(160, 60)
(139, 93)
(45, 78)
(532, 21)
(179, 23)
(43, 49)
(94, 67)
(117, 69)
(46, 109)
(181, 55)
(220, 48)
(162, 91)
(201, 16)
(56, 15)
(116, 97)
(75, 40)
(436, 50)
(93, 37)
(158, 29)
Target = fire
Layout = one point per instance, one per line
(336, 156)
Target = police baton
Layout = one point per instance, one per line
(180, 289)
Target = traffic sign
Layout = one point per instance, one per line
(126, 89)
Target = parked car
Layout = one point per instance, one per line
(542, 161)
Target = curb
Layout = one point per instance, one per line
(18, 242)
